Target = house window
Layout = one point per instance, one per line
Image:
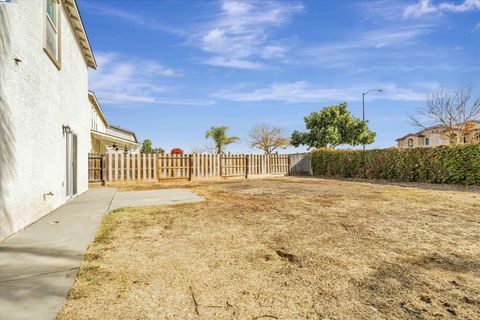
(427, 141)
(52, 27)
(410, 143)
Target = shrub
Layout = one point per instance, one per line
(445, 164)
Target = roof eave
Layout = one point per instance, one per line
(76, 22)
(124, 130)
(93, 99)
(113, 137)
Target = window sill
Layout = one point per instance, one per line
(55, 62)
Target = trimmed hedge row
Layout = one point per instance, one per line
(445, 164)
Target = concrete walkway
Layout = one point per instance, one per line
(153, 198)
(38, 265)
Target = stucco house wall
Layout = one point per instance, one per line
(436, 137)
(420, 138)
(403, 143)
(42, 99)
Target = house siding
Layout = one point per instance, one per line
(436, 139)
(42, 99)
(120, 133)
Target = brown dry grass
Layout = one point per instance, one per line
(289, 248)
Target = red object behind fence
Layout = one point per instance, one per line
(176, 151)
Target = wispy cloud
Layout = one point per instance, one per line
(425, 7)
(380, 9)
(140, 20)
(125, 81)
(239, 36)
(305, 92)
(477, 27)
(383, 43)
(220, 61)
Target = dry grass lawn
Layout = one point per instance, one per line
(287, 248)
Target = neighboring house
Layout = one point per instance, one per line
(45, 109)
(436, 136)
(107, 138)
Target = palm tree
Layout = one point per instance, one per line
(219, 135)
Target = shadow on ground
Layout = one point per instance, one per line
(424, 186)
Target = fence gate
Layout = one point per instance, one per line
(300, 164)
(95, 167)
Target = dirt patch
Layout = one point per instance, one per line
(290, 248)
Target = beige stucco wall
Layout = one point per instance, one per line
(436, 139)
(41, 99)
(403, 143)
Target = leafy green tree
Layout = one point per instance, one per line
(331, 127)
(158, 150)
(219, 136)
(148, 148)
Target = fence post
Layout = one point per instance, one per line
(220, 164)
(190, 167)
(157, 161)
(289, 165)
(268, 164)
(102, 172)
(246, 166)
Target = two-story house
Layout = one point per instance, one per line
(437, 136)
(106, 137)
(46, 118)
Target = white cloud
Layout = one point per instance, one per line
(236, 7)
(304, 92)
(239, 37)
(425, 7)
(274, 51)
(232, 63)
(127, 81)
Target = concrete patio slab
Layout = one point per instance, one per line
(38, 265)
(153, 198)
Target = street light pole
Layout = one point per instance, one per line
(363, 105)
(363, 108)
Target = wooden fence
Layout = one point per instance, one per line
(117, 167)
(300, 164)
(95, 167)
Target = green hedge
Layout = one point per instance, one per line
(446, 164)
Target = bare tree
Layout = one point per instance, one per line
(454, 113)
(268, 138)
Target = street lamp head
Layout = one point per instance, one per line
(363, 105)
(378, 90)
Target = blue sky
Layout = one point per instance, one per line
(170, 70)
